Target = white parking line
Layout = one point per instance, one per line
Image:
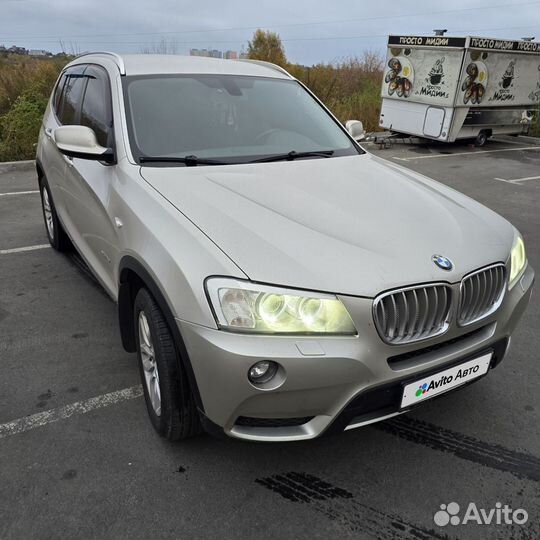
(19, 193)
(431, 156)
(80, 407)
(518, 180)
(27, 248)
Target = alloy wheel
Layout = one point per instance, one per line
(47, 212)
(151, 375)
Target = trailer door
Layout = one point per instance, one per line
(433, 121)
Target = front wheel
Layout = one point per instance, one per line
(167, 392)
(58, 238)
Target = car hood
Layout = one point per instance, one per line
(354, 225)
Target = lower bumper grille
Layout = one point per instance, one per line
(248, 421)
(397, 360)
(386, 399)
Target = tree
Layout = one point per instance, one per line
(267, 46)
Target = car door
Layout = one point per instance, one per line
(67, 94)
(89, 183)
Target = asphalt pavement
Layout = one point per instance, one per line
(79, 458)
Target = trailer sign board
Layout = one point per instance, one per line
(462, 72)
(427, 41)
(504, 45)
(433, 75)
(462, 42)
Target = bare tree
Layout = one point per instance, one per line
(71, 49)
(163, 47)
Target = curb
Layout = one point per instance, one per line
(8, 166)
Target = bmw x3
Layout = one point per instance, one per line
(276, 281)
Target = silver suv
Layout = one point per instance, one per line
(277, 281)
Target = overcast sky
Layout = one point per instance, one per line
(312, 31)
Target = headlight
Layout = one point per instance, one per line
(518, 260)
(248, 307)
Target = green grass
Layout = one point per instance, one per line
(25, 86)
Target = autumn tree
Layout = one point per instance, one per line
(267, 46)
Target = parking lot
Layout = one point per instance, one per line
(79, 457)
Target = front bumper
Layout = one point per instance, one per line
(332, 383)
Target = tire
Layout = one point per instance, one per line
(481, 139)
(56, 234)
(167, 392)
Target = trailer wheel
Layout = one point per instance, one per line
(481, 138)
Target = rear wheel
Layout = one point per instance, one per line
(169, 399)
(481, 138)
(58, 238)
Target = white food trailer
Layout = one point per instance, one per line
(448, 88)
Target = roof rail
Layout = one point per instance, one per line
(264, 63)
(119, 61)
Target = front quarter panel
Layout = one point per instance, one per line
(174, 252)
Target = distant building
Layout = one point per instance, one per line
(199, 52)
(38, 52)
(214, 53)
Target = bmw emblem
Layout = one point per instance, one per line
(442, 262)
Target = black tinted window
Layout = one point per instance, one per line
(68, 108)
(96, 107)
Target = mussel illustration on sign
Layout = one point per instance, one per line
(474, 85)
(399, 77)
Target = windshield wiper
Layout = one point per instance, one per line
(193, 161)
(289, 156)
(189, 161)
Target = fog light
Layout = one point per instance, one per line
(262, 371)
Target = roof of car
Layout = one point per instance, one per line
(148, 64)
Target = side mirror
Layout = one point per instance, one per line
(80, 142)
(356, 129)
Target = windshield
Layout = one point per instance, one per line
(227, 118)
